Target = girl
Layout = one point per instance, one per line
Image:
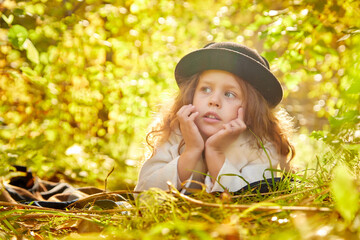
(221, 116)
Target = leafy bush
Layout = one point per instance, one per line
(87, 75)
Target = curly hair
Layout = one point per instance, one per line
(268, 124)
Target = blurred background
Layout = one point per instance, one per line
(80, 81)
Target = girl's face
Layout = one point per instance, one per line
(217, 98)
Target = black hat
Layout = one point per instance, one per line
(237, 59)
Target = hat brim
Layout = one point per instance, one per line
(237, 63)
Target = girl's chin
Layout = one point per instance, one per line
(206, 133)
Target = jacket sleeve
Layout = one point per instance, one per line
(160, 168)
(233, 178)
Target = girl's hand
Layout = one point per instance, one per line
(189, 130)
(231, 131)
(217, 144)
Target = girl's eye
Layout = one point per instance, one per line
(206, 89)
(229, 94)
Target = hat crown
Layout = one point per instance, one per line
(240, 49)
(235, 58)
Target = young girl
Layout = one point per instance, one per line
(224, 112)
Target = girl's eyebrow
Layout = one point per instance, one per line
(205, 82)
(232, 87)
(227, 85)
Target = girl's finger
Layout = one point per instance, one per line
(193, 116)
(235, 123)
(181, 110)
(228, 127)
(237, 126)
(241, 123)
(241, 113)
(185, 111)
(189, 111)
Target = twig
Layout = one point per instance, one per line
(63, 211)
(15, 212)
(98, 195)
(327, 190)
(50, 215)
(19, 205)
(108, 177)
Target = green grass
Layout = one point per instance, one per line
(321, 204)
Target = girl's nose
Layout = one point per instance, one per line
(214, 100)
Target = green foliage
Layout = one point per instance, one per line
(91, 73)
(296, 211)
(17, 36)
(345, 193)
(79, 81)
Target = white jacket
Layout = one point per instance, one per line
(243, 158)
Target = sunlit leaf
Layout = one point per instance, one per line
(9, 19)
(17, 36)
(31, 52)
(345, 192)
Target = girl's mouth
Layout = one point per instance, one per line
(212, 116)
